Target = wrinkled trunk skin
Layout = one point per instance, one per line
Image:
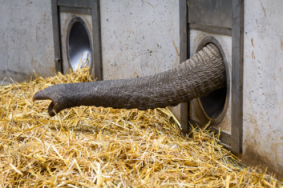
(203, 73)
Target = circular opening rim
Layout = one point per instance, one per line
(70, 27)
(205, 41)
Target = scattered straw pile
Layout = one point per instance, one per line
(98, 147)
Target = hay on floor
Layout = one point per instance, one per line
(102, 147)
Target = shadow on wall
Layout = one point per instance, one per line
(8, 76)
(253, 158)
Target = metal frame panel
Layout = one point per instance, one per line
(224, 137)
(215, 13)
(237, 75)
(75, 3)
(76, 10)
(56, 36)
(90, 7)
(235, 140)
(97, 49)
(184, 48)
(212, 29)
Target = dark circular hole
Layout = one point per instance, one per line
(214, 103)
(79, 46)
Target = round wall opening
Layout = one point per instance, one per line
(215, 105)
(78, 44)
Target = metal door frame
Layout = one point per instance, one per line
(234, 142)
(89, 7)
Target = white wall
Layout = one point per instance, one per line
(139, 38)
(263, 84)
(26, 39)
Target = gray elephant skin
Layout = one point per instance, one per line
(198, 76)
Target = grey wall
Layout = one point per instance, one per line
(26, 39)
(263, 84)
(139, 38)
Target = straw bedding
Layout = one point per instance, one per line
(102, 147)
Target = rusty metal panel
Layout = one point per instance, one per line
(216, 13)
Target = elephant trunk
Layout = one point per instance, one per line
(203, 73)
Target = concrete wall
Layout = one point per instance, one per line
(263, 84)
(139, 38)
(26, 37)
